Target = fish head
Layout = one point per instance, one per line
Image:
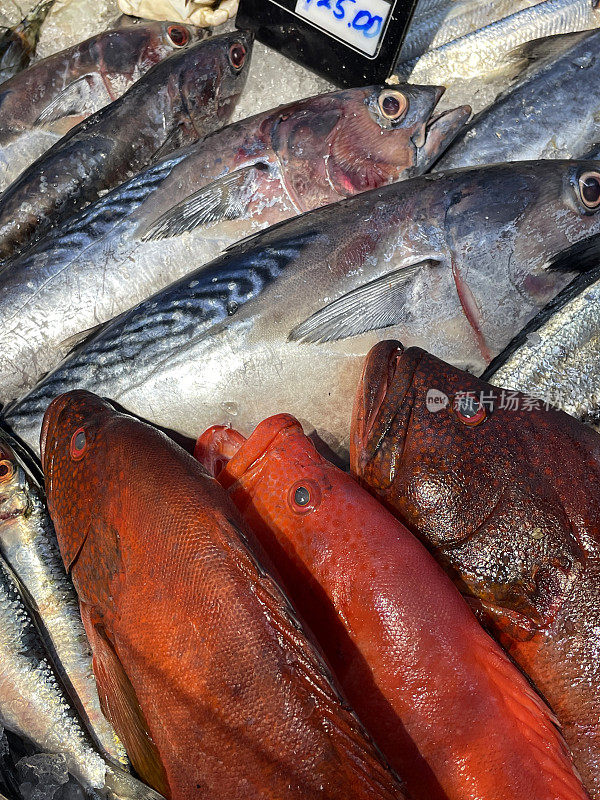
(82, 450)
(15, 499)
(452, 456)
(124, 55)
(277, 478)
(214, 73)
(358, 139)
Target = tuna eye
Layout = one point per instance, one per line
(469, 410)
(7, 471)
(304, 496)
(589, 188)
(392, 104)
(78, 444)
(179, 36)
(237, 55)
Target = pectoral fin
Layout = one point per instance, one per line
(73, 104)
(120, 705)
(226, 198)
(378, 304)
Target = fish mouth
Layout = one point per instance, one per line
(386, 380)
(228, 456)
(439, 132)
(51, 417)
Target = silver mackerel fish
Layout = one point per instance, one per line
(455, 262)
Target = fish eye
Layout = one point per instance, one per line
(78, 444)
(589, 189)
(237, 55)
(178, 35)
(393, 104)
(469, 410)
(7, 471)
(304, 496)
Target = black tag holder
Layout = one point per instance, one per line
(348, 42)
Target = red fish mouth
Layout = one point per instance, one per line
(386, 379)
(50, 419)
(228, 456)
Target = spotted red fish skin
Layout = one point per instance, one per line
(510, 508)
(399, 636)
(236, 698)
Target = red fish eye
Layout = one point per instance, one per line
(237, 55)
(7, 471)
(393, 104)
(179, 36)
(469, 410)
(304, 496)
(589, 187)
(78, 444)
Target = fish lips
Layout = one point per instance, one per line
(385, 383)
(50, 420)
(439, 132)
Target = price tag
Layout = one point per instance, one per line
(349, 42)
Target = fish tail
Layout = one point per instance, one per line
(539, 726)
(126, 787)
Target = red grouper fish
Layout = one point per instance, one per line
(453, 715)
(506, 493)
(202, 665)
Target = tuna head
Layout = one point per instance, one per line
(215, 71)
(359, 139)
(468, 467)
(145, 45)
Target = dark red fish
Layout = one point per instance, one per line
(506, 494)
(201, 663)
(444, 703)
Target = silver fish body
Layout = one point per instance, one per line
(556, 358)
(29, 546)
(455, 263)
(187, 209)
(44, 101)
(484, 50)
(34, 706)
(178, 101)
(554, 113)
(431, 28)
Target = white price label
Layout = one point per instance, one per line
(360, 23)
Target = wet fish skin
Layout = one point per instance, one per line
(42, 103)
(555, 357)
(509, 506)
(190, 632)
(241, 178)
(482, 51)
(29, 546)
(17, 44)
(543, 116)
(397, 633)
(33, 704)
(433, 28)
(302, 303)
(179, 100)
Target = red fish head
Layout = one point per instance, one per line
(77, 460)
(289, 494)
(466, 466)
